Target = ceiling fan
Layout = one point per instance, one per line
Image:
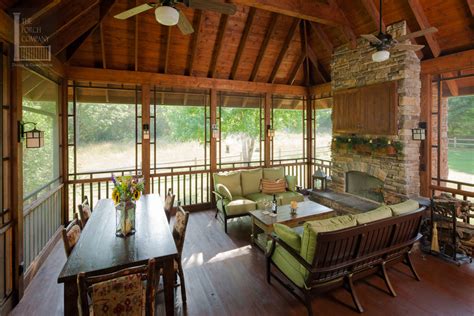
(384, 42)
(167, 14)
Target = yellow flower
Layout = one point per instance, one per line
(136, 195)
(116, 196)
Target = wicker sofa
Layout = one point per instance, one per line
(238, 192)
(337, 251)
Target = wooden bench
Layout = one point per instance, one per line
(346, 255)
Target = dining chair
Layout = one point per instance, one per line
(71, 235)
(169, 202)
(84, 211)
(118, 293)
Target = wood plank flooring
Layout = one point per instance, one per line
(225, 275)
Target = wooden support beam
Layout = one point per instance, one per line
(263, 48)
(284, 49)
(195, 41)
(104, 59)
(423, 22)
(167, 48)
(218, 46)
(296, 68)
(451, 84)
(346, 26)
(470, 4)
(304, 48)
(374, 13)
(448, 63)
(145, 101)
(426, 149)
(243, 42)
(323, 38)
(135, 45)
(177, 81)
(213, 142)
(63, 99)
(319, 69)
(268, 123)
(301, 9)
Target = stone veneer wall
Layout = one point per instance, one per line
(352, 68)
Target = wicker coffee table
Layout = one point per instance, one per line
(262, 224)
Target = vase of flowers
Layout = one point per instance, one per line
(127, 191)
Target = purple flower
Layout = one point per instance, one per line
(113, 179)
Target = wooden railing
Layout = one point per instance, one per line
(457, 189)
(41, 220)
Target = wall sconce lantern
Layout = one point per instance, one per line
(270, 131)
(146, 131)
(215, 131)
(320, 180)
(420, 132)
(34, 138)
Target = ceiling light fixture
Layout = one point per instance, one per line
(167, 15)
(380, 55)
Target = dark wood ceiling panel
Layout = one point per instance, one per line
(151, 42)
(180, 47)
(205, 45)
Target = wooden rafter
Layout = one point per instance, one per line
(451, 84)
(102, 46)
(346, 26)
(423, 22)
(43, 10)
(167, 49)
(312, 57)
(304, 48)
(448, 63)
(243, 42)
(470, 3)
(323, 38)
(195, 41)
(374, 13)
(263, 48)
(218, 46)
(301, 9)
(296, 68)
(284, 49)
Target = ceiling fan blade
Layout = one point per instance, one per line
(408, 47)
(212, 5)
(134, 11)
(371, 38)
(417, 34)
(184, 25)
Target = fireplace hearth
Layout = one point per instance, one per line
(364, 185)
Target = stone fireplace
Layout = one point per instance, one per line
(378, 176)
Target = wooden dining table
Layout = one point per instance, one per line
(100, 251)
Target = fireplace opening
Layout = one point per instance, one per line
(364, 185)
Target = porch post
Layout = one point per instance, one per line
(309, 139)
(146, 142)
(213, 142)
(425, 147)
(63, 97)
(268, 122)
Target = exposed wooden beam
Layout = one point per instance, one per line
(470, 3)
(451, 84)
(448, 63)
(195, 41)
(243, 42)
(218, 46)
(423, 22)
(135, 45)
(319, 69)
(304, 48)
(301, 9)
(263, 48)
(323, 38)
(346, 27)
(102, 46)
(374, 13)
(284, 49)
(178, 81)
(296, 68)
(167, 49)
(43, 10)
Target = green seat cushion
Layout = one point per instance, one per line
(274, 173)
(311, 231)
(260, 199)
(288, 265)
(285, 198)
(239, 205)
(374, 215)
(251, 181)
(292, 182)
(224, 191)
(404, 207)
(231, 180)
(288, 235)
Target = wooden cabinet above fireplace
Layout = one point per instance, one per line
(370, 110)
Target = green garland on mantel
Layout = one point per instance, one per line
(381, 143)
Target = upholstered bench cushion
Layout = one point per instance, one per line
(259, 198)
(404, 207)
(251, 181)
(374, 215)
(287, 264)
(231, 180)
(239, 205)
(288, 235)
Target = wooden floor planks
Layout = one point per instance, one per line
(226, 276)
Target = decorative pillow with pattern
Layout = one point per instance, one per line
(73, 235)
(271, 186)
(86, 210)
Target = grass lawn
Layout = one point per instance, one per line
(461, 159)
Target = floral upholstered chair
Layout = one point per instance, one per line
(84, 211)
(126, 292)
(169, 202)
(71, 235)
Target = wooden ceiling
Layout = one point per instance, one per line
(262, 43)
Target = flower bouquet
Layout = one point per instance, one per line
(127, 190)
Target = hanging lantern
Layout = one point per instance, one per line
(34, 138)
(320, 180)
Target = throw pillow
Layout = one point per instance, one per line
(404, 207)
(291, 182)
(224, 191)
(288, 235)
(374, 215)
(271, 187)
(274, 173)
